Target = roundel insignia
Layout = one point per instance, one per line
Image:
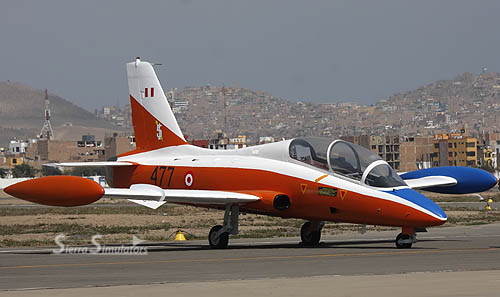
(189, 179)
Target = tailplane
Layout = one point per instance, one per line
(154, 123)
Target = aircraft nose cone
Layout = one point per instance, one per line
(432, 214)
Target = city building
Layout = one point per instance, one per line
(10, 160)
(44, 150)
(266, 139)
(492, 140)
(222, 142)
(200, 143)
(15, 154)
(116, 144)
(386, 146)
(17, 147)
(416, 153)
(485, 156)
(455, 149)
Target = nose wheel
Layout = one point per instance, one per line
(406, 239)
(218, 237)
(310, 233)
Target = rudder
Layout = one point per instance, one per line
(154, 123)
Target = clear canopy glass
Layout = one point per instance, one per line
(345, 158)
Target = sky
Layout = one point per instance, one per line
(319, 51)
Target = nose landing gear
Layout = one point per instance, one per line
(406, 238)
(218, 237)
(310, 233)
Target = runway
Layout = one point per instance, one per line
(456, 249)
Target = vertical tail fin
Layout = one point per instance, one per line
(154, 123)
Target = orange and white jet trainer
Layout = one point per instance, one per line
(312, 178)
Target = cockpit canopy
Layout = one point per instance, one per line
(345, 158)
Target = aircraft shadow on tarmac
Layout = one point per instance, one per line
(360, 244)
(175, 246)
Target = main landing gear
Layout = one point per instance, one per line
(218, 237)
(406, 238)
(310, 233)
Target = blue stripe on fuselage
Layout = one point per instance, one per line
(420, 200)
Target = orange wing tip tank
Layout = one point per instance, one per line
(57, 190)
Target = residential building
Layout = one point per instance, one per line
(455, 149)
(416, 153)
(386, 146)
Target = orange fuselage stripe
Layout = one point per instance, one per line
(321, 177)
(354, 208)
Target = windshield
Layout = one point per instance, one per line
(383, 176)
(345, 158)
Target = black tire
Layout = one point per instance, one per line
(402, 245)
(309, 237)
(218, 242)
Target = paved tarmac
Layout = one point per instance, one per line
(435, 284)
(264, 262)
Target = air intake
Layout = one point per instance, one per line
(281, 202)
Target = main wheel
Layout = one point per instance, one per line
(309, 237)
(218, 242)
(403, 241)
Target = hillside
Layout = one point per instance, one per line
(442, 106)
(468, 99)
(22, 112)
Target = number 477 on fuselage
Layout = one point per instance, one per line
(311, 178)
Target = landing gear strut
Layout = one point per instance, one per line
(219, 235)
(406, 238)
(310, 233)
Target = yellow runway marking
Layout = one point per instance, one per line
(251, 258)
(321, 177)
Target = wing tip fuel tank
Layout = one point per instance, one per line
(57, 190)
(469, 179)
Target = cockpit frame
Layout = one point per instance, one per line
(354, 163)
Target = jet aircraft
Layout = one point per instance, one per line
(311, 178)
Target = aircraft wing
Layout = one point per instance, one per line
(154, 197)
(5, 182)
(430, 181)
(90, 164)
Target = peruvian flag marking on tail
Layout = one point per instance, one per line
(148, 91)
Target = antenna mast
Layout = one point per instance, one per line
(225, 105)
(46, 132)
